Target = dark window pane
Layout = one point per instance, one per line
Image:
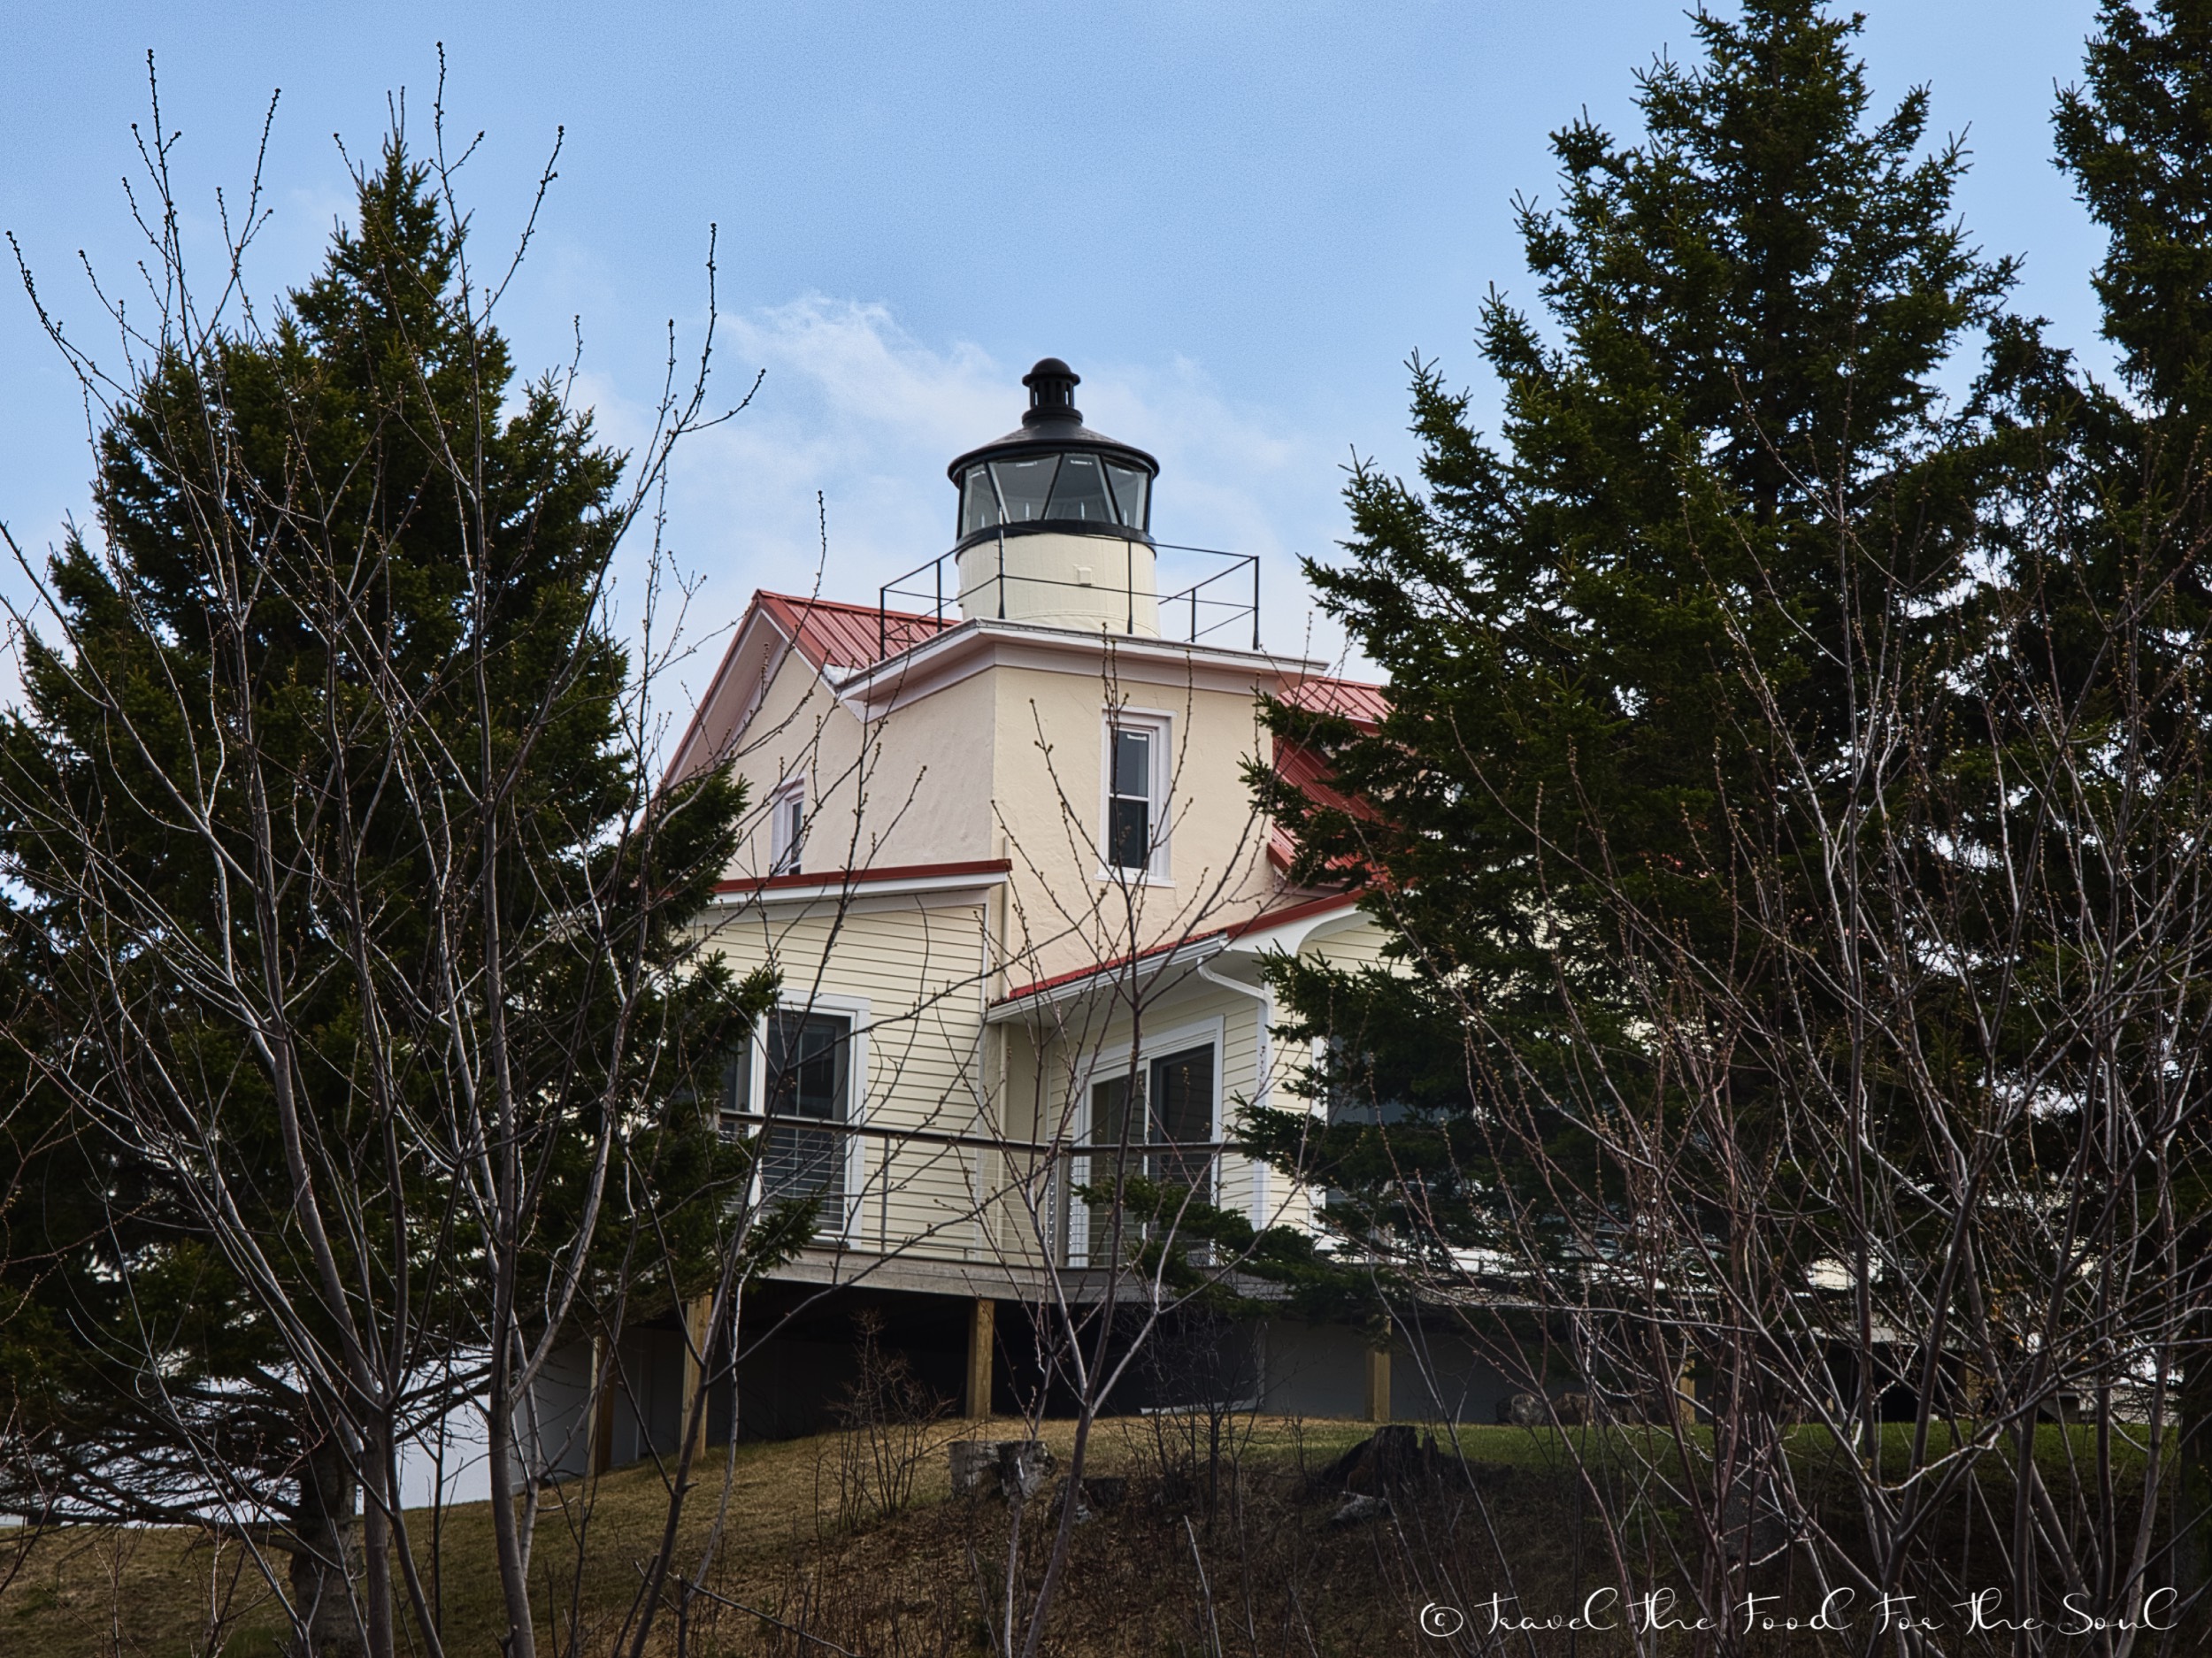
(1129, 493)
(1177, 1095)
(788, 825)
(1128, 834)
(1109, 1113)
(808, 1056)
(1353, 1095)
(979, 505)
(1118, 1155)
(1132, 764)
(1183, 1095)
(1023, 485)
(1080, 491)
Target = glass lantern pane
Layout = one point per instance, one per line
(978, 504)
(1023, 487)
(1129, 493)
(1080, 494)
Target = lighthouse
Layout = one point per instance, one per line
(1055, 518)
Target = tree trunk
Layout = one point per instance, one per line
(327, 1556)
(2193, 1475)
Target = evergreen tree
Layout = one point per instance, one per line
(2137, 138)
(1790, 805)
(356, 934)
(1749, 310)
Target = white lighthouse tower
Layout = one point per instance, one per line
(1055, 520)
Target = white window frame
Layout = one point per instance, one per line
(1159, 724)
(786, 826)
(847, 1228)
(1116, 1061)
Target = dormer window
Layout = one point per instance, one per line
(786, 827)
(1135, 838)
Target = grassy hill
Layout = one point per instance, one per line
(1219, 1543)
(897, 1585)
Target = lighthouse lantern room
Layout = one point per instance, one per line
(1055, 520)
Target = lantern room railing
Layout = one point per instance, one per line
(1212, 607)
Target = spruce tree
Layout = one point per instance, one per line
(2135, 137)
(352, 934)
(1733, 392)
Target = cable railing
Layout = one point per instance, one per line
(1211, 603)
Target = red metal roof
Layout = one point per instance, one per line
(1354, 700)
(1364, 705)
(1260, 922)
(834, 635)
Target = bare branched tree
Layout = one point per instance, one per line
(355, 932)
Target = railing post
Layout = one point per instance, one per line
(882, 650)
(1129, 584)
(1255, 602)
(1001, 575)
(939, 568)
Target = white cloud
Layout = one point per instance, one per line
(856, 407)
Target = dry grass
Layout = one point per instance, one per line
(787, 1580)
(127, 1592)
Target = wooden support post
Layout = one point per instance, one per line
(982, 1329)
(1379, 1384)
(600, 1438)
(697, 1356)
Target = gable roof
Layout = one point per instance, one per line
(834, 635)
(832, 638)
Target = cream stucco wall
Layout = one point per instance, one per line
(913, 788)
(1007, 760)
(1069, 910)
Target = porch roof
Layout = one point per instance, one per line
(1254, 935)
(807, 885)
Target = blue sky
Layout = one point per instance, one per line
(1235, 220)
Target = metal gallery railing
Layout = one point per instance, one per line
(1205, 607)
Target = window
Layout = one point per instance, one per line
(802, 1066)
(810, 1075)
(786, 827)
(979, 501)
(1165, 1137)
(1350, 1094)
(1135, 838)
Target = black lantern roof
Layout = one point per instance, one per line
(1053, 473)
